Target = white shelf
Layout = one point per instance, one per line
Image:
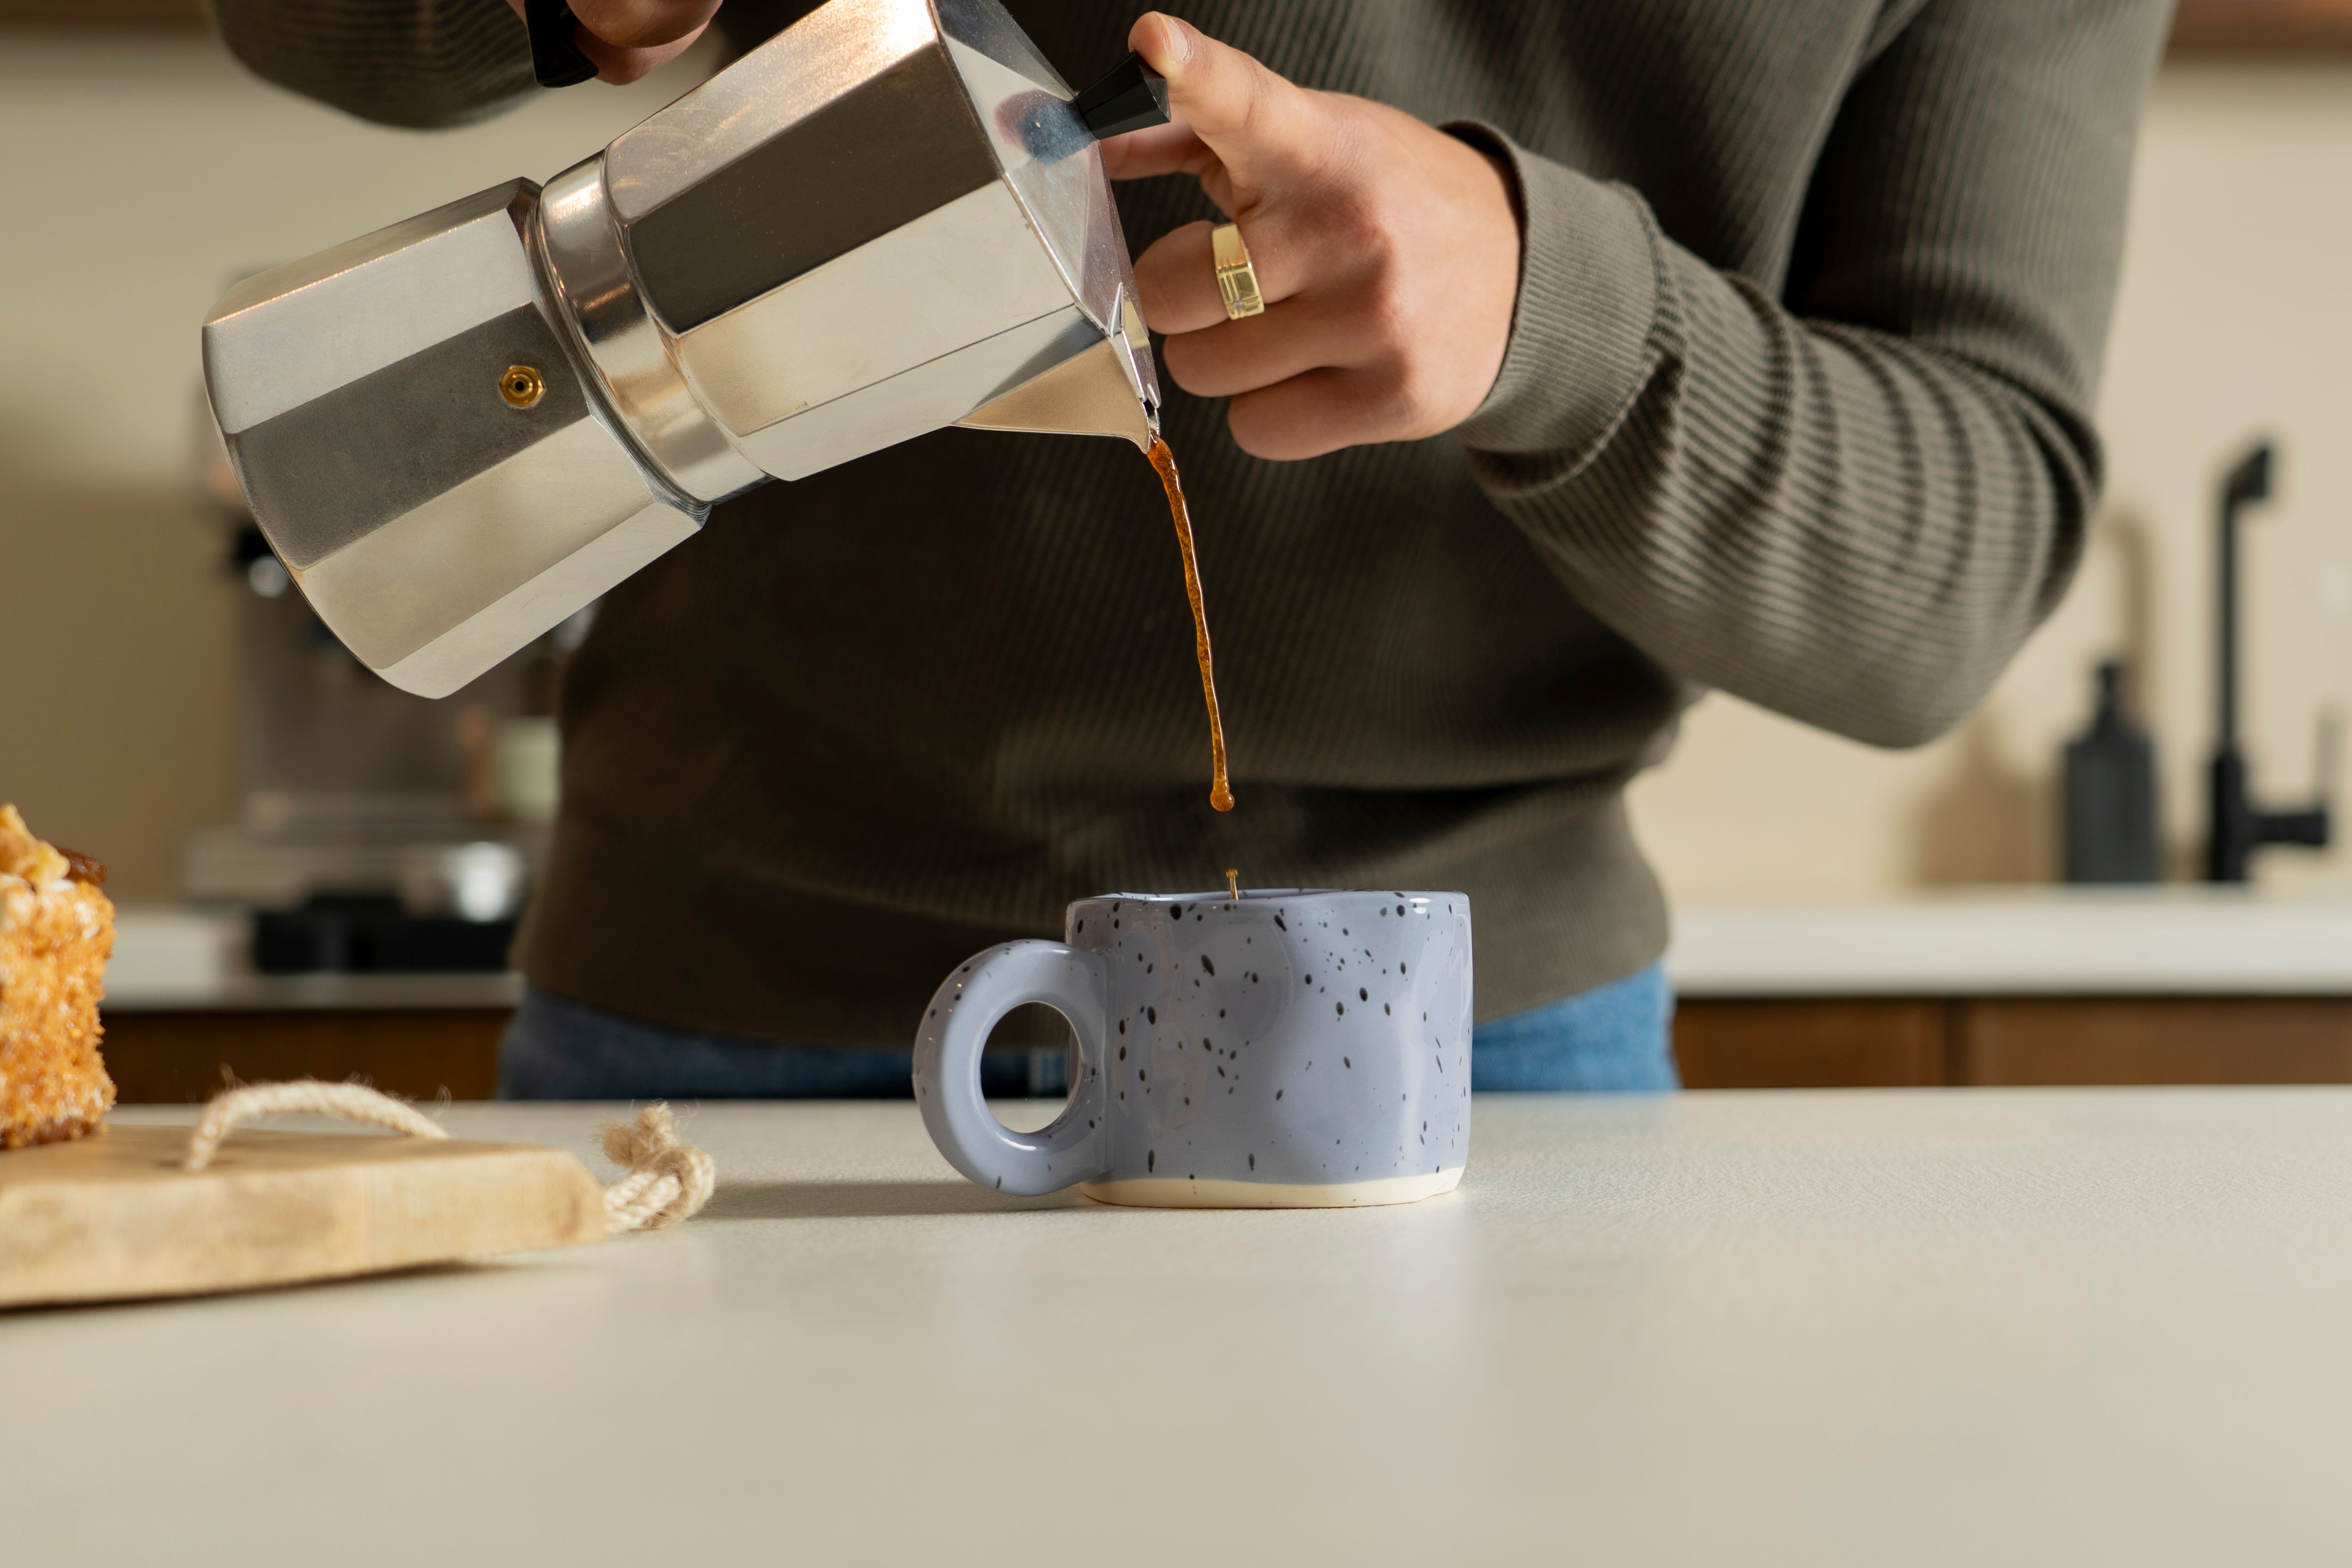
(2174, 941)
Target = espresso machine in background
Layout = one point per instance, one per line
(377, 830)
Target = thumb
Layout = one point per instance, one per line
(1262, 128)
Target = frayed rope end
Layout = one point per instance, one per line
(664, 1181)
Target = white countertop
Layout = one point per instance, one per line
(2179, 940)
(1905, 1327)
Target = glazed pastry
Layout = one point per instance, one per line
(56, 930)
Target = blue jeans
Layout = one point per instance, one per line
(1614, 1039)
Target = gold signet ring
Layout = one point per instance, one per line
(1237, 279)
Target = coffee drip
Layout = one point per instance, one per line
(1163, 459)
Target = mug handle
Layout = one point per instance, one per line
(964, 1010)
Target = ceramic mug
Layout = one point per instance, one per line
(1284, 1048)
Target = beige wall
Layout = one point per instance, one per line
(2236, 317)
(147, 171)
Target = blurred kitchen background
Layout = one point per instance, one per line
(1846, 915)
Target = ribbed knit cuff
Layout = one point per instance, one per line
(1583, 336)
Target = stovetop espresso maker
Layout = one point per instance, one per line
(891, 217)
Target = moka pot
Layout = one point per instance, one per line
(891, 217)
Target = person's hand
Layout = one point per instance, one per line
(626, 39)
(1387, 253)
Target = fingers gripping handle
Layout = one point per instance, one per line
(555, 56)
(1133, 96)
(966, 1007)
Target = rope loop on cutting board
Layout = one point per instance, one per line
(662, 1181)
(232, 1108)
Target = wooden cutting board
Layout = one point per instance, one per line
(113, 1216)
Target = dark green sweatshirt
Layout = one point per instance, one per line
(1797, 406)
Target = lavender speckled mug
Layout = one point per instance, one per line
(1285, 1049)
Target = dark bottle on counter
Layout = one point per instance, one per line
(2111, 823)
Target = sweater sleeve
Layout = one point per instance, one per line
(1851, 503)
(418, 63)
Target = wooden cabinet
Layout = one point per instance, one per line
(2172, 1040)
(2262, 27)
(1807, 1044)
(1777, 1043)
(1720, 1042)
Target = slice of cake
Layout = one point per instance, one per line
(55, 931)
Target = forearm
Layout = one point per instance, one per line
(1836, 523)
(1852, 497)
(418, 63)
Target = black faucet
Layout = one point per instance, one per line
(2237, 827)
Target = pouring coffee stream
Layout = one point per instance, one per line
(1163, 459)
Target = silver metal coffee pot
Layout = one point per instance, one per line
(891, 217)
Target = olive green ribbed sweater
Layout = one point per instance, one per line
(1796, 406)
